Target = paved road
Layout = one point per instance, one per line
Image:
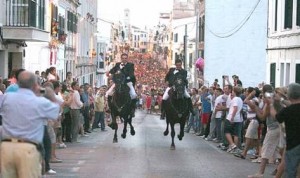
(147, 155)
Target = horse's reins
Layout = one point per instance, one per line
(173, 107)
(121, 107)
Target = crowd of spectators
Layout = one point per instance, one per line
(82, 111)
(260, 124)
(257, 123)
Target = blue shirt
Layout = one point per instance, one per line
(206, 105)
(24, 113)
(12, 88)
(85, 98)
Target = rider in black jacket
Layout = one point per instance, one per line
(127, 68)
(170, 77)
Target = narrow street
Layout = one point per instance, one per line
(147, 154)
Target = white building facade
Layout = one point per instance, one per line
(235, 40)
(18, 30)
(283, 51)
(86, 53)
(60, 49)
(180, 28)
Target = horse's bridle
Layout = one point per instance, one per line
(119, 109)
(179, 81)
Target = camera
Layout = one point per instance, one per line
(269, 95)
(42, 90)
(225, 76)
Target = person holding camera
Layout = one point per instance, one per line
(22, 142)
(251, 135)
(290, 116)
(271, 140)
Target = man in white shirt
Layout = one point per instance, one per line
(234, 120)
(75, 106)
(217, 115)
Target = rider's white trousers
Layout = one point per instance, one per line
(166, 95)
(132, 92)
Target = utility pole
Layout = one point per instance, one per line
(196, 46)
(185, 48)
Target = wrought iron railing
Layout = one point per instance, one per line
(25, 13)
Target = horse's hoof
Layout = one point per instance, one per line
(123, 135)
(179, 137)
(115, 140)
(172, 147)
(132, 132)
(166, 133)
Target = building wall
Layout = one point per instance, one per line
(283, 45)
(179, 29)
(86, 37)
(37, 56)
(11, 51)
(235, 52)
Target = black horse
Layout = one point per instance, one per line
(177, 109)
(120, 105)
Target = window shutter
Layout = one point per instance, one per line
(288, 14)
(298, 13)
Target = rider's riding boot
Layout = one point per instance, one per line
(109, 98)
(133, 106)
(163, 109)
(191, 106)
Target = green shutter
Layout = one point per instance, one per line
(298, 13)
(297, 73)
(288, 14)
(273, 74)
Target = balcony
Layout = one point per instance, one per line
(25, 21)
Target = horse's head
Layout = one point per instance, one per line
(119, 80)
(179, 85)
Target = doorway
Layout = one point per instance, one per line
(14, 61)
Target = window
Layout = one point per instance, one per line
(54, 20)
(36, 10)
(101, 65)
(200, 30)
(25, 13)
(281, 74)
(190, 60)
(203, 28)
(176, 37)
(177, 56)
(288, 14)
(17, 12)
(287, 74)
(272, 74)
(61, 22)
(75, 21)
(275, 15)
(298, 13)
(297, 73)
(72, 21)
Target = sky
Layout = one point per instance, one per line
(142, 12)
